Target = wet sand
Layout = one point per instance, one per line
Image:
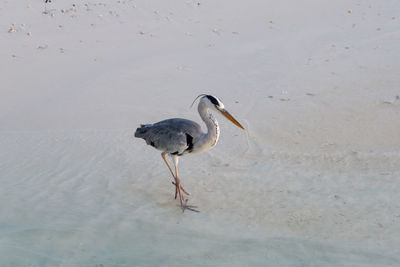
(312, 181)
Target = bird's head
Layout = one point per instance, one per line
(215, 103)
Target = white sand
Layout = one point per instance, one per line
(313, 181)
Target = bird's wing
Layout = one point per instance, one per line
(173, 136)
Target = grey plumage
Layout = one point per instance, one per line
(174, 136)
(178, 137)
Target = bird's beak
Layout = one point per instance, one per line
(231, 118)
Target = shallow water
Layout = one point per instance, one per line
(313, 181)
(87, 199)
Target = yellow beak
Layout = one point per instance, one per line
(231, 118)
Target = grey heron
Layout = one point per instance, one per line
(178, 137)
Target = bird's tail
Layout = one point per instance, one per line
(142, 130)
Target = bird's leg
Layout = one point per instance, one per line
(163, 155)
(180, 189)
(177, 180)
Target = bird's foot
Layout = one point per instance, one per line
(181, 188)
(188, 207)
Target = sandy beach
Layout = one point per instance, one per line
(312, 181)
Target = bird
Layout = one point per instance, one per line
(179, 137)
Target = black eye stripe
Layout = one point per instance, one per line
(213, 100)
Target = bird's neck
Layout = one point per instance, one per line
(209, 139)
